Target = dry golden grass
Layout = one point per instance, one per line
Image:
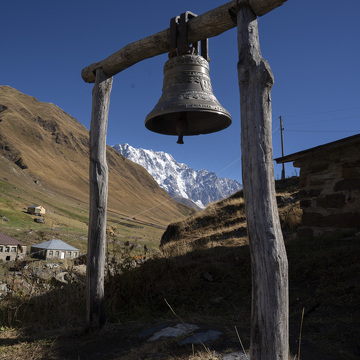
(290, 217)
(219, 224)
(224, 224)
(290, 212)
(52, 147)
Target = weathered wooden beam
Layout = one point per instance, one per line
(269, 312)
(209, 24)
(98, 203)
(262, 7)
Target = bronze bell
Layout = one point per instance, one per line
(187, 105)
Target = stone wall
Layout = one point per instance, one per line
(12, 252)
(330, 190)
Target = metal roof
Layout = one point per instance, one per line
(7, 240)
(55, 244)
(325, 147)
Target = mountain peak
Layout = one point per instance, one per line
(179, 180)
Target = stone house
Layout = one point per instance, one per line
(54, 249)
(11, 249)
(329, 186)
(36, 210)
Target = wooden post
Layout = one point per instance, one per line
(98, 203)
(269, 313)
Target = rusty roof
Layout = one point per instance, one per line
(7, 240)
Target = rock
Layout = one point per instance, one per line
(238, 355)
(3, 289)
(178, 330)
(80, 269)
(202, 337)
(145, 333)
(62, 277)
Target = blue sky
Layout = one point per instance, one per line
(313, 49)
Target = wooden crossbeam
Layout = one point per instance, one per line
(209, 24)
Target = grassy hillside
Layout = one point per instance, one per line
(204, 272)
(44, 153)
(49, 146)
(224, 223)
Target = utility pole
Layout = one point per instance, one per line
(282, 149)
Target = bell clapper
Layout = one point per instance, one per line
(181, 127)
(180, 139)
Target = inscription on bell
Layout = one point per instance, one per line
(187, 97)
(206, 85)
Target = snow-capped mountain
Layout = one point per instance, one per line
(179, 180)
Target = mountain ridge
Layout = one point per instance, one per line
(52, 147)
(179, 180)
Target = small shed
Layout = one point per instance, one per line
(54, 249)
(329, 186)
(36, 210)
(11, 249)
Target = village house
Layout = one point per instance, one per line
(329, 186)
(11, 249)
(36, 210)
(54, 249)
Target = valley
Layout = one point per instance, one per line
(202, 268)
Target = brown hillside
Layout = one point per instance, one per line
(51, 147)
